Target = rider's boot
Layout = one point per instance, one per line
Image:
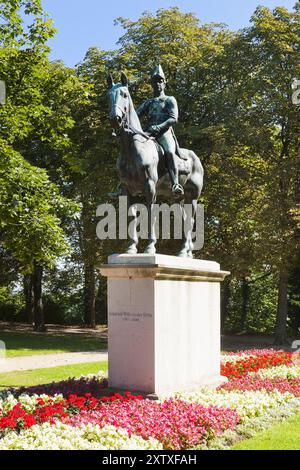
(177, 189)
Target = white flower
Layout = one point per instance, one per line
(248, 404)
(282, 371)
(85, 437)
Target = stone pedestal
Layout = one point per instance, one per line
(163, 322)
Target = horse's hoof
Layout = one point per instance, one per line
(132, 251)
(183, 254)
(190, 254)
(150, 250)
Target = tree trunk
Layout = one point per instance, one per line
(225, 298)
(245, 302)
(29, 298)
(101, 300)
(89, 296)
(87, 241)
(282, 308)
(39, 320)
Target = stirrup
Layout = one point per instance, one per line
(115, 194)
(177, 189)
(118, 192)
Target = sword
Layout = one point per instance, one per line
(178, 151)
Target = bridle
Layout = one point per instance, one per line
(127, 127)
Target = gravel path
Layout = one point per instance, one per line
(50, 360)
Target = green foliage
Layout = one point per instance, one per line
(34, 125)
(63, 299)
(13, 32)
(11, 304)
(234, 94)
(29, 205)
(261, 306)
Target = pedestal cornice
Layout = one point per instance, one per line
(162, 267)
(157, 272)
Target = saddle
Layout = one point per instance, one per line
(160, 149)
(184, 164)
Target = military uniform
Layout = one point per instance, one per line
(158, 111)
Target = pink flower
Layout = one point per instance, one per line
(177, 424)
(283, 385)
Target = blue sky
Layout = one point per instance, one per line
(85, 23)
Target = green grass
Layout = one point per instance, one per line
(29, 344)
(283, 436)
(53, 374)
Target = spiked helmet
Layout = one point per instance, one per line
(158, 72)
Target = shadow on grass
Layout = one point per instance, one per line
(70, 342)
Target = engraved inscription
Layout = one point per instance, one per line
(130, 316)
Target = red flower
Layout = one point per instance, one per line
(241, 367)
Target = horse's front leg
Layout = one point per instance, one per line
(132, 230)
(150, 193)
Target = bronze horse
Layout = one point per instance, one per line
(142, 171)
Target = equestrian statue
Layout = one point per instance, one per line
(151, 163)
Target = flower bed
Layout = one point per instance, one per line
(283, 385)
(60, 436)
(26, 412)
(176, 423)
(90, 384)
(251, 363)
(248, 404)
(263, 386)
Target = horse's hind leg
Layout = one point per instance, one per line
(187, 246)
(192, 190)
(150, 193)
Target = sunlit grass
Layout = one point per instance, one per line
(27, 378)
(27, 344)
(283, 436)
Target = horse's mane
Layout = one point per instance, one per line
(133, 117)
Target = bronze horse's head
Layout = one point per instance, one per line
(119, 101)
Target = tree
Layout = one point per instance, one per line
(13, 30)
(198, 63)
(93, 171)
(266, 58)
(29, 222)
(235, 92)
(34, 124)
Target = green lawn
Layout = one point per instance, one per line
(283, 436)
(53, 374)
(27, 344)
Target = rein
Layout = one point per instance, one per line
(142, 133)
(129, 128)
